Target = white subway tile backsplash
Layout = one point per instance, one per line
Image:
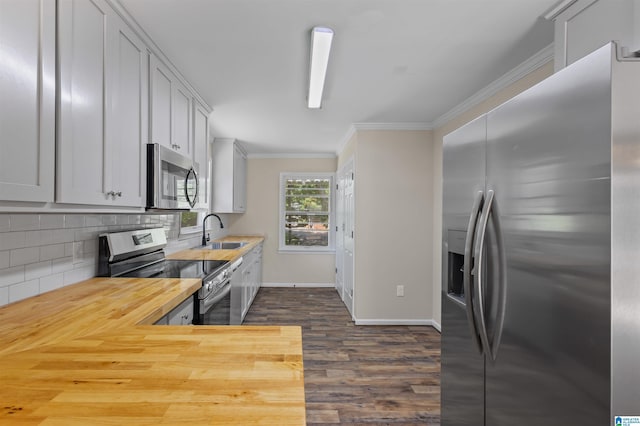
(51, 282)
(38, 238)
(12, 240)
(37, 270)
(62, 265)
(42, 252)
(11, 276)
(109, 219)
(4, 223)
(24, 256)
(25, 222)
(53, 251)
(51, 221)
(4, 259)
(23, 290)
(62, 236)
(74, 221)
(75, 275)
(4, 296)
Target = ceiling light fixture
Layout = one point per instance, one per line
(321, 38)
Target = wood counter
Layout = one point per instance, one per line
(79, 356)
(208, 254)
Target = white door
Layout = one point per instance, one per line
(340, 224)
(27, 108)
(126, 157)
(85, 88)
(349, 236)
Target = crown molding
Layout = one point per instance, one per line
(393, 126)
(265, 155)
(345, 139)
(533, 63)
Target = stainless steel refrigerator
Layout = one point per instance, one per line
(541, 253)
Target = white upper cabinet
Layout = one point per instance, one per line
(102, 113)
(182, 119)
(229, 168)
(27, 105)
(239, 179)
(587, 25)
(201, 152)
(160, 102)
(170, 109)
(126, 166)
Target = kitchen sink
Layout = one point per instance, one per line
(226, 245)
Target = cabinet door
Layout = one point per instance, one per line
(201, 152)
(160, 102)
(84, 101)
(27, 110)
(182, 314)
(128, 135)
(181, 119)
(239, 180)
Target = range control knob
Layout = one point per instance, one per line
(207, 286)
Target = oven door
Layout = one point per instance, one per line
(215, 309)
(172, 181)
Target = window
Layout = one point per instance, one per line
(191, 222)
(306, 212)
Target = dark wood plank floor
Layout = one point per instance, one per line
(357, 375)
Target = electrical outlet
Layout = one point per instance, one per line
(400, 291)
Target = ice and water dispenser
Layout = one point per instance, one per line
(455, 261)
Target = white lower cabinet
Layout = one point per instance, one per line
(27, 108)
(251, 278)
(103, 107)
(180, 315)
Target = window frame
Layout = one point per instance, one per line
(282, 247)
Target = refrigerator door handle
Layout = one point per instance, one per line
(478, 299)
(467, 267)
(502, 282)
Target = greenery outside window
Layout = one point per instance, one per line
(306, 212)
(190, 222)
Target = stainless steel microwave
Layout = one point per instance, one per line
(172, 181)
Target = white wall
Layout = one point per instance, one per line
(393, 224)
(261, 218)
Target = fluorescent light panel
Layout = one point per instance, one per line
(321, 38)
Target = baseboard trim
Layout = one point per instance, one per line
(435, 324)
(395, 322)
(305, 285)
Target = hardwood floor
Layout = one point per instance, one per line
(357, 375)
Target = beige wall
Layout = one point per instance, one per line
(261, 217)
(494, 101)
(393, 223)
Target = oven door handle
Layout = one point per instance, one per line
(210, 301)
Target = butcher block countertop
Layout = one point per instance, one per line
(207, 254)
(87, 354)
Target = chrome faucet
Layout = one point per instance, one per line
(205, 239)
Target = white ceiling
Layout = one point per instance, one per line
(392, 61)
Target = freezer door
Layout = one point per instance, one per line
(548, 161)
(462, 375)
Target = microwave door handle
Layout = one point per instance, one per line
(192, 202)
